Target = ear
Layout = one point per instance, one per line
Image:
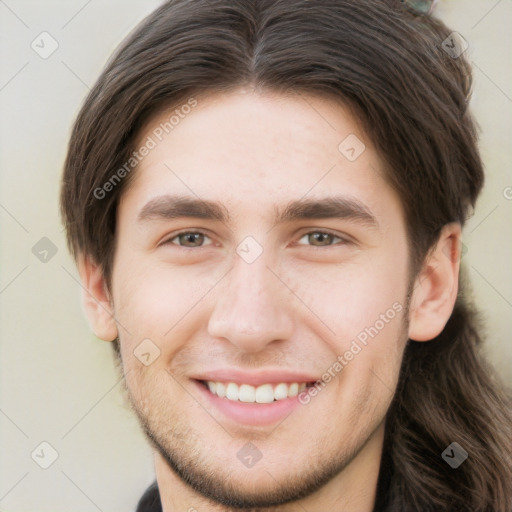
(436, 286)
(96, 299)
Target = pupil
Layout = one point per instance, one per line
(191, 238)
(318, 238)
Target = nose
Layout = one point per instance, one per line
(252, 309)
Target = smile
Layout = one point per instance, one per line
(263, 394)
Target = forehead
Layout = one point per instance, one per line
(259, 151)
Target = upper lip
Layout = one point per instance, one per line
(254, 378)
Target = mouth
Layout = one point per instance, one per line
(259, 405)
(266, 393)
(252, 398)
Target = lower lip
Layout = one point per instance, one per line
(251, 413)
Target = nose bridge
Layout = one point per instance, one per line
(250, 310)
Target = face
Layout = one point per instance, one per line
(254, 257)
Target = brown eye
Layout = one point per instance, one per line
(320, 238)
(188, 239)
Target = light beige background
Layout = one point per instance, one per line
(58, 383)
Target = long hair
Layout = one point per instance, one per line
(448, 393)
(410, 94)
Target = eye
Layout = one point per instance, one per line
(321, 239)
(188, 239)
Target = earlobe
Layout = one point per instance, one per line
(96, 300)
(436, 286)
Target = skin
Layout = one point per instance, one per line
(298, 306)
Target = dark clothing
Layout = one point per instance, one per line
(150, 501)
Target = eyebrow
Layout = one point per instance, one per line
(331, 207)
(173, 207)
(167, 207)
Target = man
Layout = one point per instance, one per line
(265, 201)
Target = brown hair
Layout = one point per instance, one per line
(411, 97)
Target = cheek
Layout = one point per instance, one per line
(346, 300)
(154, 300)
(370, 366)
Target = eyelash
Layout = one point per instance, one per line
(342, 241)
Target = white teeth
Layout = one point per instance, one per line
(293, 390)
(221, 389)
(246, 393)
(232, 391)
(281, 391)
(264, 394)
